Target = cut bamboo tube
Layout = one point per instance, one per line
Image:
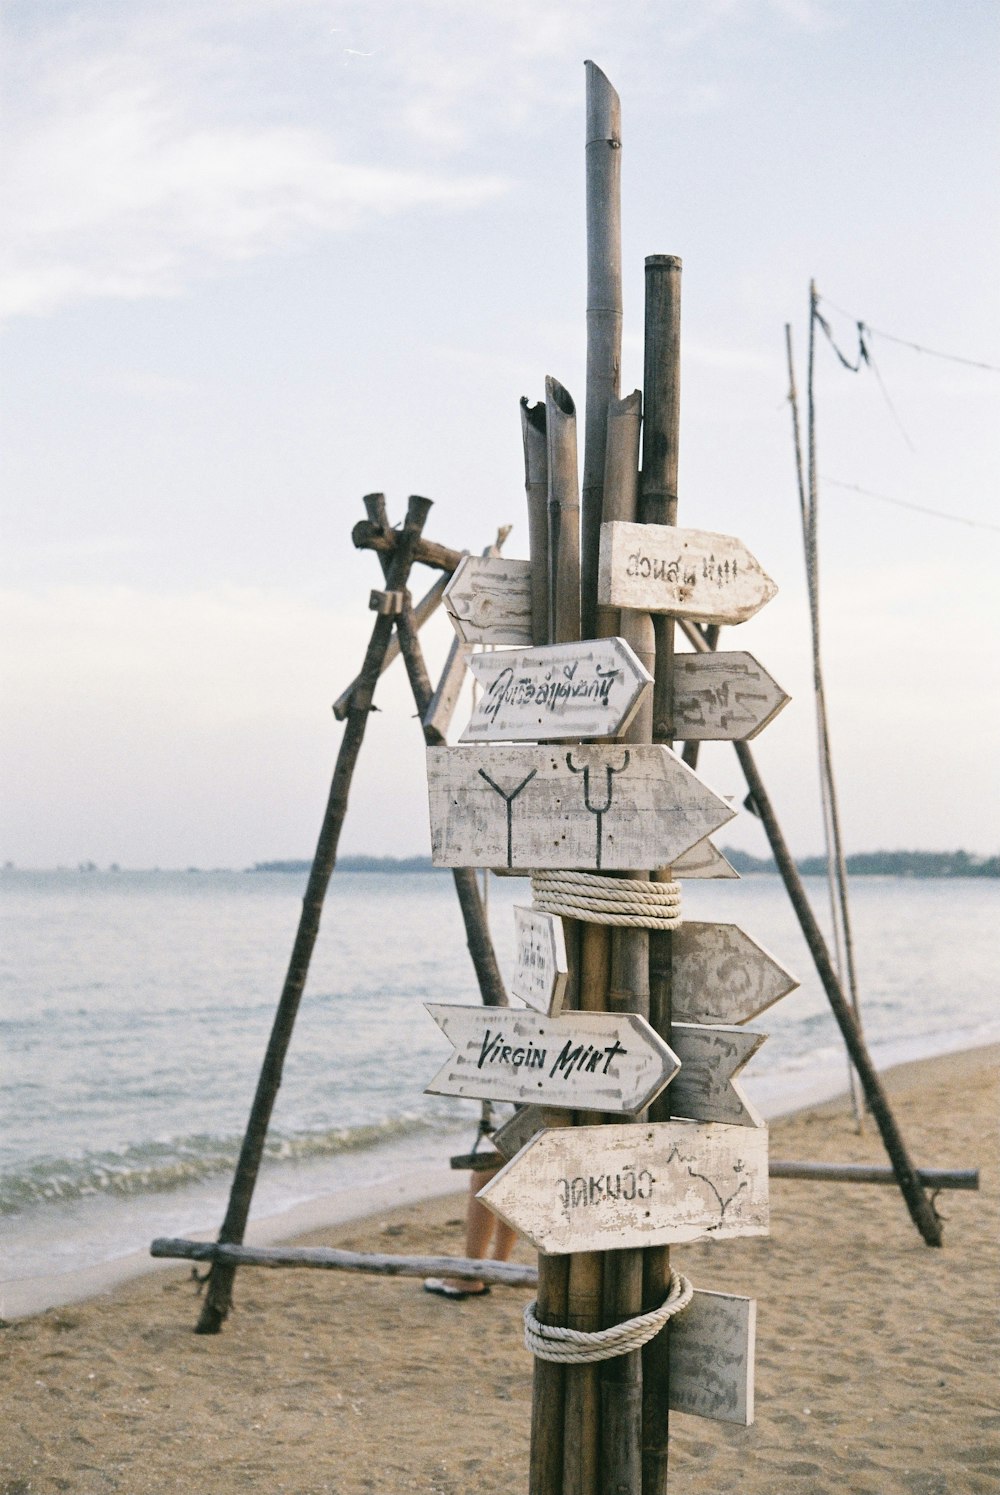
(604, 316)
(564, 514)
(536, 487)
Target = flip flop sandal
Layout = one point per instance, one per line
(445, 1290)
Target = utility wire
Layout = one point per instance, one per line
(863, 327)
(903, 503)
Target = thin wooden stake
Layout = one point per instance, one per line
(219, 1287)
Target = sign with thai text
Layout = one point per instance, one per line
(658, 568)
(557, 691)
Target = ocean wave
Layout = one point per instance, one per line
(159, 1167)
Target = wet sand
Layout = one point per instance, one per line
(877, 1357)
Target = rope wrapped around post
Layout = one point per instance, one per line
(597, 899)
(575, 1346)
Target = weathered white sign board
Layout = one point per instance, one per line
(723, 697)
(711, 1057)
(721, 975)
(594, 1061)
(610, 1188)
(692, 573)
(540, 966)
(557, 692)
(710, 1355)
(703, 861)
(489, 600)
(585, 807)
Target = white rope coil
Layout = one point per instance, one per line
(577, 1347)
(597, 899)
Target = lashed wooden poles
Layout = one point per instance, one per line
(658, 505)
(628, 991)
(219, 1285)
(604, 316)
(921, 1210)
(477, 932)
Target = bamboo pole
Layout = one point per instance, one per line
(628, 990)
(549, 1378)
(604, 316)
(564, 514)
(658, 505)
(584, 1305)
(218, 1290)
(536, 487)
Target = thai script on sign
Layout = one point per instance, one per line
(556, 687)
(596, 1189)
(682, 569)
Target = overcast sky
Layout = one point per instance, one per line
(262, 257)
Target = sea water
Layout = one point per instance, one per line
(135, 1009)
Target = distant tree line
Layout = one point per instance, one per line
(882, 864)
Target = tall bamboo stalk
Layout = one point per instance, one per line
(219, 1286)
(658, 505)
(604, 315)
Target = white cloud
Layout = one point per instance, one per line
(122, 182)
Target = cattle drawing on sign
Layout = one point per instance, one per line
(587, 806)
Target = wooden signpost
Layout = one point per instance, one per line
(557, 692)
(723, 697)
(711, 1358)
(704, 860)
(691, 573)
(711, 1057)
(600, 1188)
(599, 1061)
(579, 807)
(721, 975)
(489, 600)
(541, 969)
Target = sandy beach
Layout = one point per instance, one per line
(877, 1358)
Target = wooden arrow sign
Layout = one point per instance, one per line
(721, 975)
(657, 568)
(710, 1355)
(489, 600)
(583, 807)
(557, 692)
(724, 697)
(596, 1061)
(541, 969)
(612, 1188)
(706, 1088)
(703, 861)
